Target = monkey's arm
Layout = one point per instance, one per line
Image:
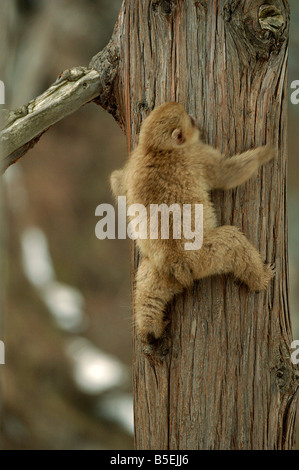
(117, 183)
(227, 173)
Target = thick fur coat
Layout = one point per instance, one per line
(171, 165)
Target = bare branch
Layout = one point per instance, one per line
(74, 88)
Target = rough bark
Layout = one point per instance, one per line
(228, 382)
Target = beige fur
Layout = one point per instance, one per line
(171, 165)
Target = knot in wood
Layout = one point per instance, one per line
(271, 18)
(259, 29)
(287, 378)
(166, 6)
(142, 106)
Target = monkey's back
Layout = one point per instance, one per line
(167, 177)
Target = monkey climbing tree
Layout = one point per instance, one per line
(228, 381)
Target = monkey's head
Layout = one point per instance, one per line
(168, 127)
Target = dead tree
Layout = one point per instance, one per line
(228, 381)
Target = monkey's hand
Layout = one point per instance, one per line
(117, 183)
(266, 154)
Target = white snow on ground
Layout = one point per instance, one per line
(95, 371)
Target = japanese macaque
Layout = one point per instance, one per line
(171, 165)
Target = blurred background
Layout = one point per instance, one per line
(66, 383)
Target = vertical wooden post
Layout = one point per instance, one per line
(228, 382)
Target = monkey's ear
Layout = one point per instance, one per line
(177, 136)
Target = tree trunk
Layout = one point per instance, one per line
(228, 382)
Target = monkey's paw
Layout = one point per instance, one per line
(261, 282)
(267, 153)
(156, 349)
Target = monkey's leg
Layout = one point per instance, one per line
(153, 292)
(227, 250)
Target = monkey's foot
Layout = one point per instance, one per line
(156, 349)
(257, 283)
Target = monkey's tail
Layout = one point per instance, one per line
(153, 290)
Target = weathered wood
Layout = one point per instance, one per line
(228, 382)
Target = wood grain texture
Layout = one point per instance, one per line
(228, 382)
